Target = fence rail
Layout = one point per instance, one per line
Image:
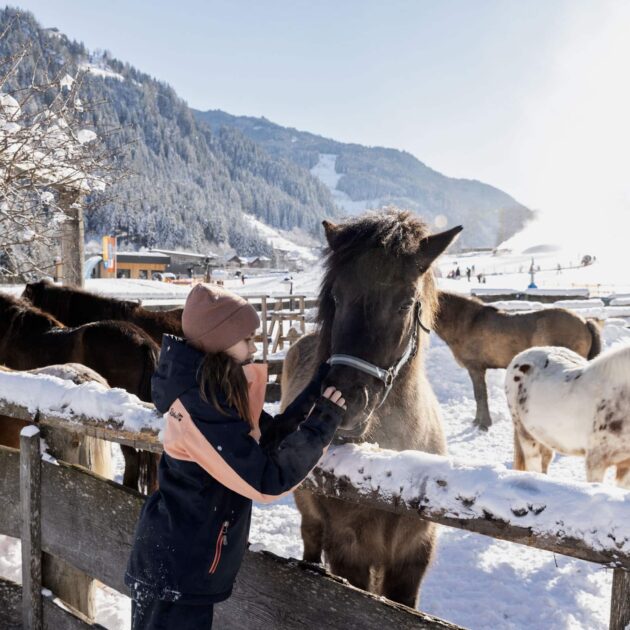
(76, 509)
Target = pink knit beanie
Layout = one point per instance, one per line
(215, 319)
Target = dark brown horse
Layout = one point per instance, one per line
(483, 337)
(377, 294)
(74, 307)
(121, 353)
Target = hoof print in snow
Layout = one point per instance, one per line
(522, 511)
(441, 482)
(467, 501)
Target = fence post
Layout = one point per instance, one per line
(620, 600)
(263, 317)
(30, 504)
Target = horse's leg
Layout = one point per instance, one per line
(622, 476)
(535, 456)
(147, 470)
(403, 577)
(312, 526)
(131, 476)
(596, 466)
(546, 455)
(357, 572)
(482, 417)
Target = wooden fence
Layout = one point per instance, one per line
(89, 521)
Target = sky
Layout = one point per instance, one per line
(529, 96)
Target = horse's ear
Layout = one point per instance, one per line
(331, 230)
(432, 246)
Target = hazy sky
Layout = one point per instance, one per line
(531, 96)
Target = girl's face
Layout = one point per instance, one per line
(244, 350)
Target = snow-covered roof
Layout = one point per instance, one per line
(179, 252)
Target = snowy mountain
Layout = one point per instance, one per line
(361, 178)
(187, 186)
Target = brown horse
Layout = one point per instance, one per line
(377, 294)
(483, 337)
(74, 307)
(121, 353)
(71, 585)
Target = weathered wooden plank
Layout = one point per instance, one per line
(273, 592)
(98, 541)
(112, 431)
(10, 605)
(54, 617)
(620, 600)
(88, 521)
(263, 317)
(30, 501)
(324, 483)
(10, 492)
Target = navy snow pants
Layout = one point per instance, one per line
(157, 614)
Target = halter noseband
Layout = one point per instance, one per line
(386, 375)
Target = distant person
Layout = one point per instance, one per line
(458, 273)
(242, 278)
(479, 277)
(468, 273)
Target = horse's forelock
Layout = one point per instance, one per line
(396, 233)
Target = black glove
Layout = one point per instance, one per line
(274, 430)
(302, 404)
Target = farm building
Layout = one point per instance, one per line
(138, 265)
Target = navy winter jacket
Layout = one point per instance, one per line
(193, 531)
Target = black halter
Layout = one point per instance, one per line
(386, 375)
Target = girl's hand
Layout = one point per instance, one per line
(334, 395)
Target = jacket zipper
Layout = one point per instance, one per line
(221, 542)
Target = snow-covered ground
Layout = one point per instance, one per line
(474, 581)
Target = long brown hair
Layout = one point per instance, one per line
(220, 372)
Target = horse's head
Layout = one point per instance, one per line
(376, 293)
(34, 291)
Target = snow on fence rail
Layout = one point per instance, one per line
(586, 521)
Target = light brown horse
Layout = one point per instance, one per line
(120, 352)
(377, 292)
(71, 585)
(483, 337)
(74, 307)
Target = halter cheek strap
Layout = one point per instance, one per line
(387, 376)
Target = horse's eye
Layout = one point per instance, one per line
(406, 306)
(335, 299)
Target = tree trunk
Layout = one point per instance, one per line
(72, 250)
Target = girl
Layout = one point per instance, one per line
(193, 531)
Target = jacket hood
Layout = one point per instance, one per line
(176, 372)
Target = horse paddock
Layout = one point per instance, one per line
(66, 510)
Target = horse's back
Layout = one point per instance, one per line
(562, 327)
(548, 396)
